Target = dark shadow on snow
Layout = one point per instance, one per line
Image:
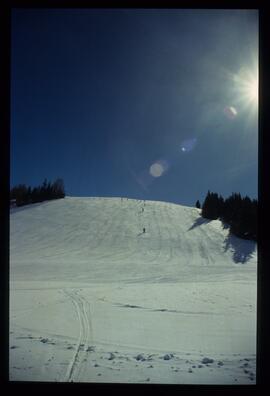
(198, 222)
(141, 234)
(28, 206)
(242, 248)
(225, 226)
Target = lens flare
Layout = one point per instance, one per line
(188, 144)
(230, 112)
(158, 168)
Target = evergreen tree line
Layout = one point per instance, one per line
(23, 195)
(240, 213)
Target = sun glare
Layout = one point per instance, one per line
(252, 88)
(243, 90)
(247, 85)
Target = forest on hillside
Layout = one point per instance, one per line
(239, 213)
(24, 195)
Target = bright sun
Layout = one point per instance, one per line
(244, 92)
(246, 83)
(252, 90)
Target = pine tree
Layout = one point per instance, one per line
(21, 195)
(43, 190)
(206, 204)
(198, 205)
(58, 188)
(49, 191)
(211, 208)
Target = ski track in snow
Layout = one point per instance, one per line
(85, 334)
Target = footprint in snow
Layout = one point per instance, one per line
(207, 360)
(90, 349)
(168, 356)
(14, 346)
(140, 357)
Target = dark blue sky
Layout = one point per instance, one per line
(148, 104)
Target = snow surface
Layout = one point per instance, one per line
(94, 299)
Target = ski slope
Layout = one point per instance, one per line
(93, 298)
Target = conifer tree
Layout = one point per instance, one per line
(238, 212)
(211, 206)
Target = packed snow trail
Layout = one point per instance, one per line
(95, 297)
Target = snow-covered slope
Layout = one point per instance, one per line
(107, 301)
(100, 239)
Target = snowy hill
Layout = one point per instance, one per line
(101, 239)
(108, 301)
